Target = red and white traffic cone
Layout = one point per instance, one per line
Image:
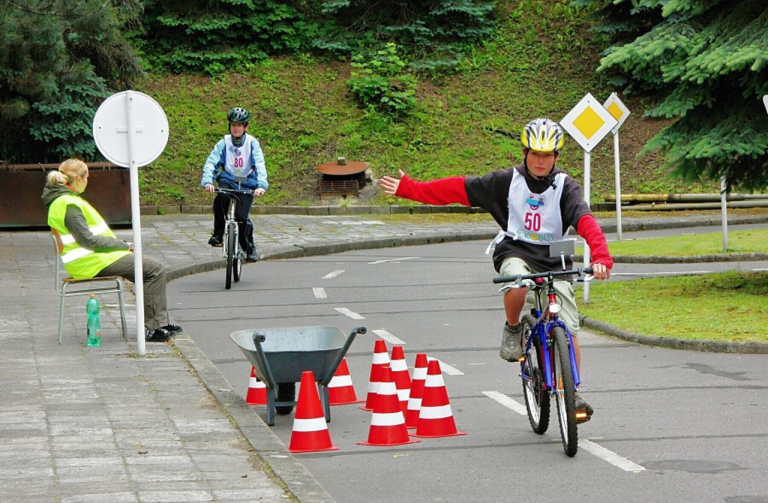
(257, 390)
(380, 359)
(387, 421)
(400, 374)
(310, 431)
(340, 389)
(435, 416)
(417, 391)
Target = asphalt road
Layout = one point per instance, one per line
(668, 425)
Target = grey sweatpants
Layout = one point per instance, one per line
(155, 304)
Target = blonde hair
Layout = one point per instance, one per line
(68, 171)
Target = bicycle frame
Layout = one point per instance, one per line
(547, 319)
(229, 218)
(232, 251)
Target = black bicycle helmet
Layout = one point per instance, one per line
(239, 115)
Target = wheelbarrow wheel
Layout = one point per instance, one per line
(286, 392)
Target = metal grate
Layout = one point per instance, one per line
(340, 187)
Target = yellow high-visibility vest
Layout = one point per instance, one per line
(78, 261)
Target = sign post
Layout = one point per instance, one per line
(620, 112)
(588, 123)
(131, 130)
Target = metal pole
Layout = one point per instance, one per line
(617, 163)
(724, 212)
(587, 183)
(136, 218)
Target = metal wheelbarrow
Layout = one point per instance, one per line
(280, 355)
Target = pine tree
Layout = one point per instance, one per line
(58, 60)
(706, 62)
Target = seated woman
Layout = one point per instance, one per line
(91, 248)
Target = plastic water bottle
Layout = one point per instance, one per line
(94, 323)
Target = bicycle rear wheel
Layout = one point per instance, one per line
(231, 252)
(534, 387)
(565, 392)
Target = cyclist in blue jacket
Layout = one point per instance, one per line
(238, 154)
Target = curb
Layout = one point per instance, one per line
(672, 343)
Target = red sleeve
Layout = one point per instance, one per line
(439, 192)
(590, 230)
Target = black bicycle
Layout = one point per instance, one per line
(233, 252)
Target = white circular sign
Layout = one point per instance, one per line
(135, 113)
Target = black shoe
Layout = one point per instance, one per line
(252, 256)
(215, 241)
(157, 335)
(584, 411)
(173, 329)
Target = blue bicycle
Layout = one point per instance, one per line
(548, 365)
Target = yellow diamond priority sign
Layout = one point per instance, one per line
(617, 109)
(588, 122)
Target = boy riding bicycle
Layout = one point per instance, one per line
(534, 203)
(238, 154)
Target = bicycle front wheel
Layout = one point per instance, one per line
(565, 392)
(534, 387)
(237, 267)
(231, 252)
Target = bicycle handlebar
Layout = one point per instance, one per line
(582, 271)
(232, 191)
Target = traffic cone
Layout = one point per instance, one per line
(310, 431)
(380, 359)
(340, 389)
(417, 391)
(257, 390)
(387, 421)
(400, 374)
(435, 417)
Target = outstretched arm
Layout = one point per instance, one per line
(439, 192)
(390, 184)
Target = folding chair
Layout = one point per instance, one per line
(86, 286)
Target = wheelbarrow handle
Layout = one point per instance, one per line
(257, 340)
(342, 353)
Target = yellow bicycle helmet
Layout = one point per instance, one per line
(543, 135)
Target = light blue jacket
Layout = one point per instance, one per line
(213, 168)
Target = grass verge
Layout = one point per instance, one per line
(727, 306)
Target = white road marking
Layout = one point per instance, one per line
(347, 312)
(319, 293)
(506, 402)
(451, 371)
(589, 446)
(333, 274)
(388, 337)
(392, 260)
(610, 456)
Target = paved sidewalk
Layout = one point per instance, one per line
(93, 425)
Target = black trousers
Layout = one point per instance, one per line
(242, 209)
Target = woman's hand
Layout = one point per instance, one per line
(259, 192)
(209, 188)
(390, 184)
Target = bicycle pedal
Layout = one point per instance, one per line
(582, 416)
